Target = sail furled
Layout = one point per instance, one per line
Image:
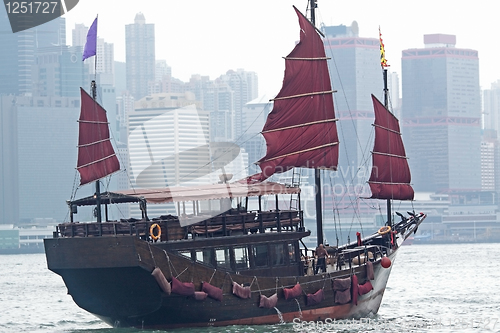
(390, 177)
(300, 130)
(96, 156)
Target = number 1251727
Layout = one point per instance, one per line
(31, 7)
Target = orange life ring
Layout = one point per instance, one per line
(152, 229)
(384, 230)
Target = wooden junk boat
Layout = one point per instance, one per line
(235, 266)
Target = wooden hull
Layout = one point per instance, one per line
(110, 277)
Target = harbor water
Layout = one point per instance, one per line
(432, 288)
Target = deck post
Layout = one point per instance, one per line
(261, 220)
(224, 224)
(278, 214)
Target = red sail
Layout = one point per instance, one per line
(390, 178)
(300, 130)
(96, 156)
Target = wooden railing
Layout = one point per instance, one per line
(220, 225)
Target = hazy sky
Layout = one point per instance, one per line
(210, 37)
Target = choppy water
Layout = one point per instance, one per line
(432, 288)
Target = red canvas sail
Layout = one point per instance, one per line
(96, 156)
(390, 177)
(300, 130)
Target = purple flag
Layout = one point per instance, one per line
(90, 46)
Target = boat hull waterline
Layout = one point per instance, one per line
(118, 288)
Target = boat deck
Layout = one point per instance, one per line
(197, 226)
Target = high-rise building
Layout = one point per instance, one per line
(9, 57)
(442, 115)
(491, 128)
(105, 58)
(491, 106)
(79, 34)
(140, 56)
(125, 105)
(218, 98)
(255, 114)
(58, 71)
(165, 131)
(104, 55)
(355, 73)
(162, 70)
(168, 144)
(488, 149)
(47, 138)
(19, 50)
(120, 77)
(9, 163)
(244, 86)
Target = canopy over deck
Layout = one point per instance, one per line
(194, 193)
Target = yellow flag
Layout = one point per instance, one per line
(383, 61)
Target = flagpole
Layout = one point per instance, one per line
(95, 62)
(94, 96)
(90, 50)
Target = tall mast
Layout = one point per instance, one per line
(317, 172)
(386, 104)
(384, 65)
(97, 184)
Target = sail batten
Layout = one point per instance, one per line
(96, 156)
(301, 131)
(304, 95)
(299, 125)
(387, 129)
(303, 151)
(390, 177)
(391, 155)
(317, 58)
(93, 143)
(95, 162)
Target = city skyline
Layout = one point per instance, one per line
(369, 77)
(197, 43)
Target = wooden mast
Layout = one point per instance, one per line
(386, 104)
(317, 172)
(97, 184)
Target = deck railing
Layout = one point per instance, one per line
(220, 225)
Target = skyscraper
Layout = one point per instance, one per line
(47, 138)
(164, 132)
(79, 34)
(19, 50)
(58, 71)
(9, 163)
(140, 56)
(491, 104)
(244, 86)
(442, 115)
(168, 144)
(255, 114)
(9, 62)
(356, 73)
